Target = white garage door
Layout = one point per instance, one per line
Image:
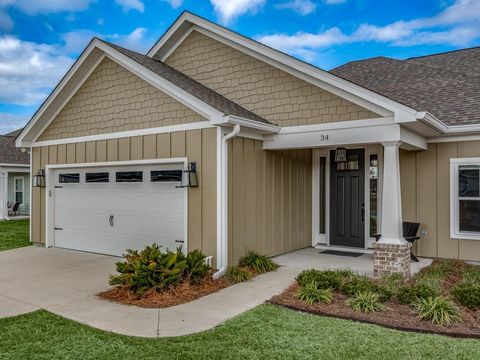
(108, 210)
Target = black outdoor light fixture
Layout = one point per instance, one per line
(189, 176)
(340, 155)
(39, 179)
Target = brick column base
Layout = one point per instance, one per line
(389, 259)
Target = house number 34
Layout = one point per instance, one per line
(323, 137)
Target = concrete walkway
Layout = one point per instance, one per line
(65, 283)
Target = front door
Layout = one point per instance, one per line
(347, 199)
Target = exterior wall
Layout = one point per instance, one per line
(25, 207)
(196, 145)
(425, 178)
(259, 87)
(113, 99)
(270, 199)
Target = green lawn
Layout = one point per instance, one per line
(14, 234)
(267, 332)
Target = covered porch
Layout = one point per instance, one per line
(14, 192)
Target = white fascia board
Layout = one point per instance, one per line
(345, 136)
(14, 165)
(252, 125)
(149, 76)
(346, 89)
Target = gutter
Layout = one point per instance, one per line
(224, 202)
(260, 127)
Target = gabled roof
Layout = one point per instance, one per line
(9, 154)
(446, 85)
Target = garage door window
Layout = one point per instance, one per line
(69, 178)
(166, 175)
(100, 177)
(129, 176)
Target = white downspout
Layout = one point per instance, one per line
(223, 261)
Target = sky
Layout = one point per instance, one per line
(40, 39)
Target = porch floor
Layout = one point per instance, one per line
(312, 258)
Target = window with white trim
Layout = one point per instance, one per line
(19, 189)
(465, 198)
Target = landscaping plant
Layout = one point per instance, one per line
(197, 269)
(238, 274)
(410, 293)
(311, 294)
(326, 279)
(366, 301)
(361, 283)
(258, 263)
(472, 274)
(438, 309)
(467, 293)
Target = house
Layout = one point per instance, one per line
(14, 178)
(286, 155)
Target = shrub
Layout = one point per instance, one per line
(438, 269)
(409, 294)
(197, 269)
(327, 279)
(472, 274)
(366, 301)
(467, 293)
(237, 274)
(310, 293)
(258, 263)
(392, 282)
(358, 283)
(438, 309)
(149, 268)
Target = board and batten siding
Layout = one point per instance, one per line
(197, 145)
(279, 97)
(270, 199)
(425, 180)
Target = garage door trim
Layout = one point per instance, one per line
(50, 190)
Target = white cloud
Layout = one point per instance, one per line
(6, 22)
(48, 6)
(131, 5)
(229, 10)
(334, 2)
(303, 7)
(10, 122)
(457, 25)
(175, 4)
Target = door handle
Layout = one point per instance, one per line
(111, 220)
(363, 212)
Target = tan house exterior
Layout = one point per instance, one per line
(264, 131)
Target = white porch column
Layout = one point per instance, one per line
(392, 232)
(3, 195)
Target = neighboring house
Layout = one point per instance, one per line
(14, 178)
(287, 155)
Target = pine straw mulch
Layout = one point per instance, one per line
(181, 294)
(398, 316)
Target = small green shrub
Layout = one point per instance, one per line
(150, 269)
(311, 294)
(472, 274)
(467, 293)
(258, 263)
(438, 309)
(238, 274)
(438, 269)
(409, 294)
(366, 301)
(392, 283)
(197, 269)
(327, 279)
(361, 283)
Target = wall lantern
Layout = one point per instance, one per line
(340, 155)
(189, 176)
(39, 179)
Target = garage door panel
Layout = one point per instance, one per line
(143, 213)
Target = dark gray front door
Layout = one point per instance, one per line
(347, 199)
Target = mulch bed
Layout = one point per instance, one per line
(183, 293)
(398, 316)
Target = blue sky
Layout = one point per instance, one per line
(40, 39)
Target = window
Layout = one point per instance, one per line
(373, 194)
(465, 199)
(129, 176)
(165, 175)
(69, 178)
(322, 194)
(19, 189)
(101, 177)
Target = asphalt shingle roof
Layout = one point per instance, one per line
(446, 85)
(9, 154)
(207, 95)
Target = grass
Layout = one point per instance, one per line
(14, 234)
(265, 332)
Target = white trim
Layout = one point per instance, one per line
(50, 190)
(122, 134)
(344, 248)
(347, 124)
(318, 238)
(455, 138)
(14, 165)
(455, 232)
(15, 178)
(3, 195)
(247, 123)
(174, 46)
(219, 197)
